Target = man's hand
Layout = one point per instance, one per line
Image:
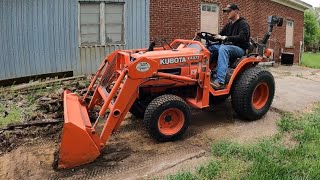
(218, 36)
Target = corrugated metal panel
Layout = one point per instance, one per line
(102, 1)
(3, 39)
(137, 23)
(136, 35)
(40, 37)
(92, 57)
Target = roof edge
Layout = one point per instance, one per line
(295, 4)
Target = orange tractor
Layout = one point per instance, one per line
(158, 85)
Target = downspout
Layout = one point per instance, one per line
(301, 43)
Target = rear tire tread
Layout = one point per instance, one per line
(241, 95)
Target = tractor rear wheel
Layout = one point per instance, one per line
(253, 93)
(167, 117)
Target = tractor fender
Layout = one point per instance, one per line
(247, 62)
(243, 65)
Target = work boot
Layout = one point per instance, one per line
(217, 86)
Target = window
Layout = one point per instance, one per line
(289, 33)
(101, 23)
(90, 24)
(114, 23)
(209, 8)
(210, 18)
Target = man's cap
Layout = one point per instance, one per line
(231, 7)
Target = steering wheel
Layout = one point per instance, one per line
(209, 37)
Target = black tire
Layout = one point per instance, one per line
(246, 100)
(137, 109)
(156, 111)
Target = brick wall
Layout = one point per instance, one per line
(174, 19)
(181, 19)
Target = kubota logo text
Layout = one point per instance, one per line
(172, 60)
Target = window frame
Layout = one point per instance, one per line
(212, 6)
(102, 23)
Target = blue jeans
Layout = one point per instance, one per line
(224, 52)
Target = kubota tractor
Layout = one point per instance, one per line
(159, 85)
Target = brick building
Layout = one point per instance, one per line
(181, 19)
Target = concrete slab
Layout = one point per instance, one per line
(296, 87)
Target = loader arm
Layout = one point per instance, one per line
(115, 88)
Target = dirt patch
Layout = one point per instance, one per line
(37, 103)
(11, 139)
(132, 153)
(28, 162)
(288, 141)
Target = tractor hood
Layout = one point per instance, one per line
(167, 53)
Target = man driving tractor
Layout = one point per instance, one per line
(236, 37)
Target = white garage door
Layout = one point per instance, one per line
(210, 18)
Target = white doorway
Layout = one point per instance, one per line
(210, 18)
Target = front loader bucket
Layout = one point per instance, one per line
(80, 144)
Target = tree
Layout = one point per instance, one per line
(317, 12)
(312, 30)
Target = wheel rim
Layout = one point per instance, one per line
(260, 95)
(171, 121)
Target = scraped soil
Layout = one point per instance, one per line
(11, 139)
(39, 104)
(131, 152)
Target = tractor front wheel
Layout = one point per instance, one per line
(253, 93)
(167, 117)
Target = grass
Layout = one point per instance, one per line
(20, 106)
(17, 107)
(270, 158)
(9, 115)
(311, 60)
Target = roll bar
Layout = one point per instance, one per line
(272, 21)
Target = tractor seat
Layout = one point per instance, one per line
(233, 62)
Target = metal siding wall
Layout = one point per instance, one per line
(137, 26)
(136, 35)
(40, 37)
(2, 39)
(103, 0)
(137, 23)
